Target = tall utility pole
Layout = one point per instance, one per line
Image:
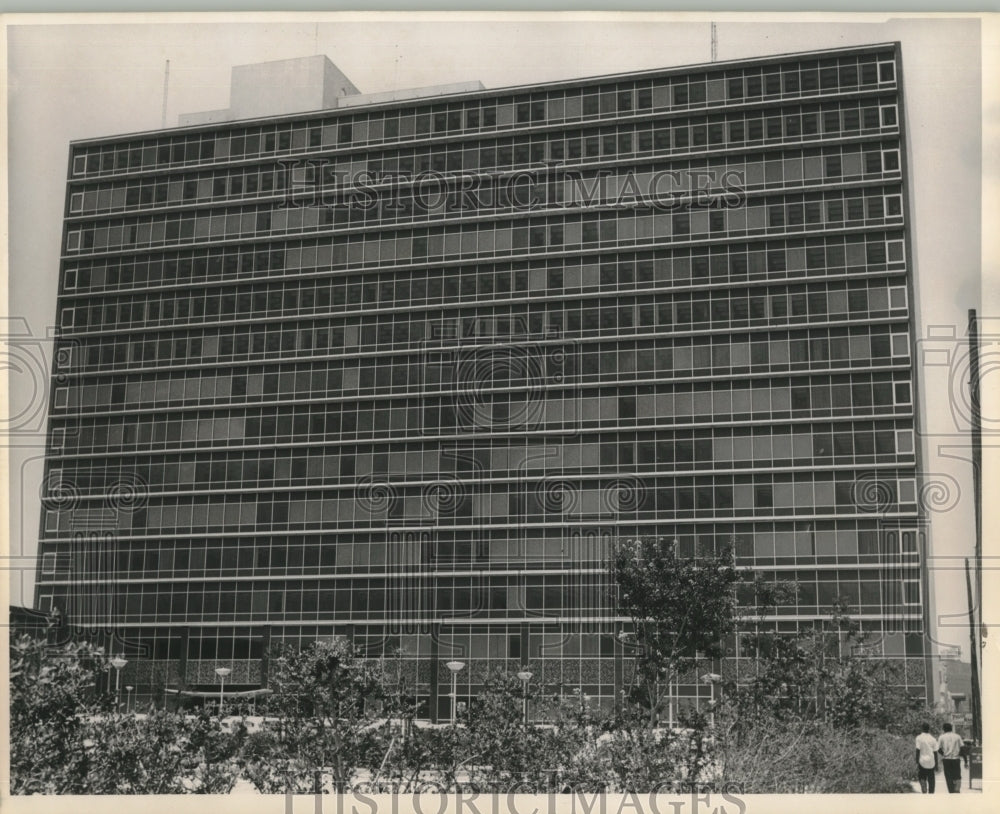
(974, 658)
(975, 597)
(715, 43)
(977, 440)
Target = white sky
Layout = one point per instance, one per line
(80, 81)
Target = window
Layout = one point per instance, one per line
(888, 115)
(907, 490)
(61, 397)
(49, 563)
(73, 241)
(67, 318)
(890, 161)
(894, 206)
(904, 442)
(886, 71)
(900, 345)
(76, 202)
(897, 296)
(79, 164)
(64, 357)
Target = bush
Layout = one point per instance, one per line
(65, 738)
(807, 757)
(52, 691)
(163, 753)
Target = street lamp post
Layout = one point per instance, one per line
(456, 667)
(711, 679)
(118, 662)
(525, 676)
(222, 672)
(128, 697)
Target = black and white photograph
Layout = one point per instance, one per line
(512, 412)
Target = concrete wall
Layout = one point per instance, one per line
(286, 86)
(336, 86)
(205, 117)
(411, 93)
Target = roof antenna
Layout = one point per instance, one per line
(715, 43)
(166, 84)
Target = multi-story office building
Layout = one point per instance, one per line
(404, 367)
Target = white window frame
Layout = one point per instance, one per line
(902, 248)
(899, 165)
(79, 164)
(61, 398)
(896, 289)
(51, 520)
(917, 540)
(70, 279)
(911, 485)
(908, 402)
(885, 205)
(67, 317)
(904, 437)
(73, 241)
(903, 339)
(882, 62)
(76, 202)
(882, 112)
(49, 563)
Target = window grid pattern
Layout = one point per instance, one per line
(622, 98)
(348, 410)
(728, 135)
(870, 207)
(724, 263)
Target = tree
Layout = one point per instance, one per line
(681, 609)
(324, 700)
(826, 674)
(52, 691)
(509, 756)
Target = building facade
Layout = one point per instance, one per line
(403, 371)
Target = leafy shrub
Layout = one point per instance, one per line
(806, 757)
(52, 691)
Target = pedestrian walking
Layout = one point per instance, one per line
(950, 748)
(927, 749)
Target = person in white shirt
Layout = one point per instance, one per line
(950, 749)
(927, 748)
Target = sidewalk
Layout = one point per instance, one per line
(940, 788)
